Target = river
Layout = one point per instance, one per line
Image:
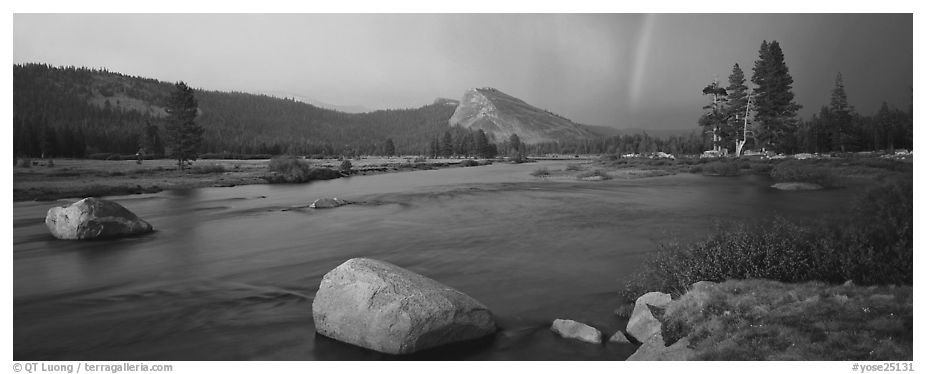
(230, 273)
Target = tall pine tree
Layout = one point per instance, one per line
(183, 134)
(715, 120)
(150, 140)
(389, 148)
(841, 115)
(737, 100)
(776, 110)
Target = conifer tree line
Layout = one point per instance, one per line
(772, 122)
(82, 112)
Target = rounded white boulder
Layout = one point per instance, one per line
(93, 218)
(383, 307)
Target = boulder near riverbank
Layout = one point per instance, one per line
(383, 307)
(93, 218)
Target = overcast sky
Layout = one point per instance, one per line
(620, 70)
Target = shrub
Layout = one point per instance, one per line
(871, 245)
(594, 174)
(420, 160)
(468, 163)
(293, 170)
(762, 168)
(723, 168)
(796, 171)
(541, 172)
(574, 167)
(25, 162)
(346, 166)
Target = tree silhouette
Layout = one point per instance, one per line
(184, 135)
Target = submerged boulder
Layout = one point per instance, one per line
(570, 329)
(643, 324)
(797, 186)
(93, 218)
(386, 308)
(325, 203)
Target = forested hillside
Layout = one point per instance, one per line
(76, 112)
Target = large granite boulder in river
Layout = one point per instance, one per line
(93, 218)
(383, 307)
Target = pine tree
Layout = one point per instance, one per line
(737, 99)
(841, 113)
(714, 121)
(446, 147)
(150, 140)
(514, 150)
(885, 126)
(389, 147)
(776, 110)
(49, 142)
(482, 144)
(183, 134)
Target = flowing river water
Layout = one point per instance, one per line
(230, 273)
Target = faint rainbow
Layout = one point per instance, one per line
(641, 53)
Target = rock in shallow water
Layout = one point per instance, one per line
(797, 186)
(327, 203)
(570, 329)
(93, 218)
(386, 308)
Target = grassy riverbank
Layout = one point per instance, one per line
(826, 172)
(767, 320)
(73, 178)
(832, 288)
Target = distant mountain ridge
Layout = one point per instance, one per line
(106, 112)
(320, 104)
(607, 131)
(502, 115)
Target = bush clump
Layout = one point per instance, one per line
(723, 168)
(574, 167)
(294, 170)
(797, 171)
(541, 172)
(594, 174)
(346, 165)
(871, 245)
(468, 163)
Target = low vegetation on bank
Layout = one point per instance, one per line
(872, 244)
(295, 170)
(768, 320)
(48, 179)
(837, 288)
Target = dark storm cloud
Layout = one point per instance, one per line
(608, 69)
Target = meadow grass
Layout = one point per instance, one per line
(768, 320)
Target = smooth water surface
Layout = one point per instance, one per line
(230, 273)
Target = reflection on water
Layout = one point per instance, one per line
(230, 273)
